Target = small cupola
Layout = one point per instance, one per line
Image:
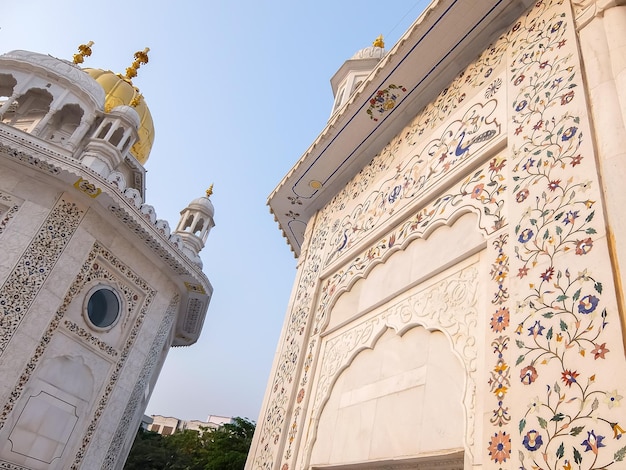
(125, 128)
(196, 221)
(354, 70)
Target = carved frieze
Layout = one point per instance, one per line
(30, 272)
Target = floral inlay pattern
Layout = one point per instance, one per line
(453, 98)
(384, 100)
(564, 306)
(460, 90)
(29, 159)
(87, 336)
(551, 315)
(500, 375)
(31, 271)
(418, 172)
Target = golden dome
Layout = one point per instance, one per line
(119, 92)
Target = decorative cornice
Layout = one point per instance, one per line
(16, 146)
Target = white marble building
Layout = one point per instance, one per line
(94, 289)
(460, 236)
(167, 425)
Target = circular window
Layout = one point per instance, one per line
(103, 307)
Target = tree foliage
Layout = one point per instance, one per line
(222, 448)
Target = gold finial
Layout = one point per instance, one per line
(141, 57)
(209, 191)
(378, 42)
(136, 99)
(84, 50)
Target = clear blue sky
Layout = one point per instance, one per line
(238, 90)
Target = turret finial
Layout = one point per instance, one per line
(141, 57)
(209, 191)
(84, 50)
(137, 97)
(378, 42)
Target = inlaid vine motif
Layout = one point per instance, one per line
(563, 307)
(499, 445)
(473, 79)
(482, 192)
(271, 431)
(22, 285)
(417, 170)
(454, 97)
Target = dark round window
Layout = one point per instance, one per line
(103, 307)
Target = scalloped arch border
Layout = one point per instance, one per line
(384, 320)
(325, 305)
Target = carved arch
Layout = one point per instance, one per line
(449, 306)
(7, 85)
(64, 122)
(29, 109)
(360, 267)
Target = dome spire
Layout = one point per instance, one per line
(120, 90)
(209, 191)
(84, 50)
(378, 42)
(141, 57)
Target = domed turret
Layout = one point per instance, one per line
(47, 97)
(119, 90)
(196, 221)
(354, 70)
(97, 116)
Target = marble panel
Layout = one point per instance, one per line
(416, 263)
(411, 406)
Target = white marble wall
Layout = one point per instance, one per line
(53, 331)
(540, 344)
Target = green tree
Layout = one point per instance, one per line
(147, 453)
(222, 448)
(227, 447)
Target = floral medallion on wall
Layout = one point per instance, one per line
(384, 100)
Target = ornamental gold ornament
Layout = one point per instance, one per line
(141, 57)
(84, 50)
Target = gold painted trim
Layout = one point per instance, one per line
(88, 188)
(194, 288)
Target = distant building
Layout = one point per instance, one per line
(146, 421)
(94, 288)
(167, 425)
(460, 231)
